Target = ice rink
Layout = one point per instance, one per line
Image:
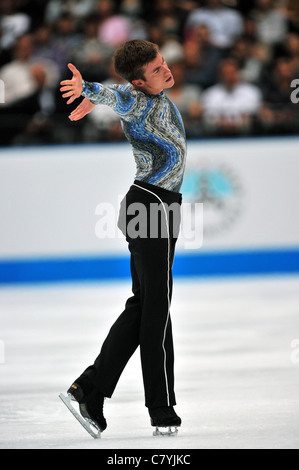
(237, 365)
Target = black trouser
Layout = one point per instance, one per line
(145, 322)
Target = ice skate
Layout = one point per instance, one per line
(165, 420)
(90, 414)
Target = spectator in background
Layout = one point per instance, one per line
(34, 9)
(25, 82)
(17, 75)
(171, 49)
(166, 30)
(292, 13)
(225, 24)
(155, 34)
(278, 114)
(132, 8)
(13, 24)
(230, 106)
(251, 57)
(76, 8)
(250, 32)
(201, 58)
(37, 126)
(114, 28)
(91, 55)
(271, 23)
(45, 53)
(166, 17)
(43, 43)
(292, 51)
(65, 39)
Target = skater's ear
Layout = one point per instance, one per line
(138, 83)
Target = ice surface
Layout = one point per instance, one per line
(237, 366)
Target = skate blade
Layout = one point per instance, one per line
(166, 431)
(87, 424)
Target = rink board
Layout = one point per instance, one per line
(52, 199)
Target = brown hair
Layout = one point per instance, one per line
(130, 58)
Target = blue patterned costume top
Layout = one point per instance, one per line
(153, 126)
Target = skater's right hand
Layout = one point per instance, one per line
(84, 108)
(73, 87)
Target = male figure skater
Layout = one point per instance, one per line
(154, 128)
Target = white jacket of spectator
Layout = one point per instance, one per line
(221, 102)
(18, 80)
(12, 27)
(271, 26)
(224, 24)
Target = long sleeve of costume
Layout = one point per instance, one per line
(153, 126)
(128, 104)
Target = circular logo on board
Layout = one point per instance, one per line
(218, 187)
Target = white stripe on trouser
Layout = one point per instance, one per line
(168, 290)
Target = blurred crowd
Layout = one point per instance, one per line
(233, 61)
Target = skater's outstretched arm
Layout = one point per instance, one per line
(126, 102)
(123, 99)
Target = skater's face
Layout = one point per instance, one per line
(157, 77)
